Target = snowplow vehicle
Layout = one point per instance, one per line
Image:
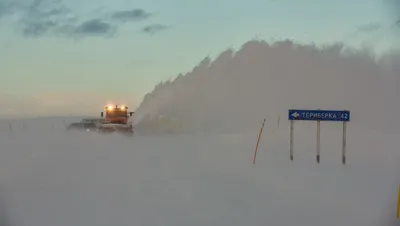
(116, 120)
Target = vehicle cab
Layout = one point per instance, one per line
(116, 114)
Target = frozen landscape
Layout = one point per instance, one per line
(201, 172)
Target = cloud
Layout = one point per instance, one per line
(7, 7)
(38, 28)
(41, 17)
(371, 27)
(154, 28)
(368, 35)
(131, 15)
(37, 18)
(95, 27)
(393, 7)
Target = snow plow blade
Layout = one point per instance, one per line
(115, 128)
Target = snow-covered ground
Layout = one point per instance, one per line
(59, 178)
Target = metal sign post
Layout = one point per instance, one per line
(319, 115)
(318, 139)
(344, 144)
(291, 140)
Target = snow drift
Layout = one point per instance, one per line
(239, 88)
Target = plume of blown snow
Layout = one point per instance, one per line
(240, 88)
(164, 97)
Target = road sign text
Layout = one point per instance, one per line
(319, 115)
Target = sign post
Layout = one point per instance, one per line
(344, 144)
(318, 139)
(319, 115)
(291, 140)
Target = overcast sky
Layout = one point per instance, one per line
(72, 57)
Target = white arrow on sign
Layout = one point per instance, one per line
(295, 115)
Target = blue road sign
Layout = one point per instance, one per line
(319, 115)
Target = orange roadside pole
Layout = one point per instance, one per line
(398, 204)
(258, 141)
